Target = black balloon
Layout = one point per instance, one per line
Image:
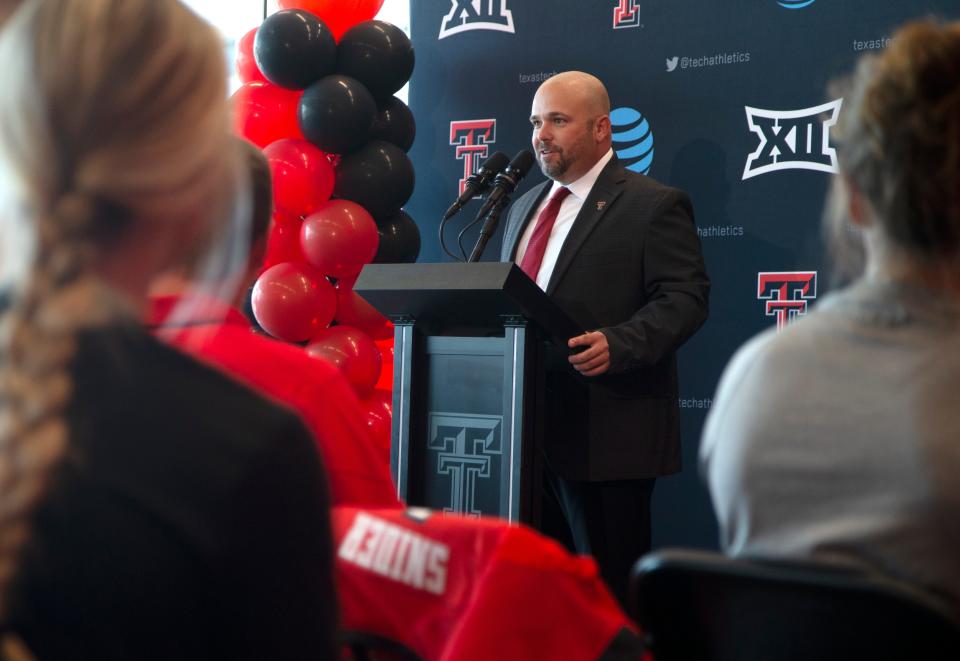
(293, 48)
(394, 123)
(378, 177)
(336, 114)
(377, 54)
(399, 240)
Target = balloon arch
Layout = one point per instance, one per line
(317, 97)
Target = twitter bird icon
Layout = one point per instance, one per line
(672, 63)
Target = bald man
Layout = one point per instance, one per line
(620, 253)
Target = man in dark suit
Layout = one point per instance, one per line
(620, 254)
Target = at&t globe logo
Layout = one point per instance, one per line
(795, 4)
(632, 139)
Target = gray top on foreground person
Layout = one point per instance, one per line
(150, 507)
(837, 439)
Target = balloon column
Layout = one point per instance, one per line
(317, 96)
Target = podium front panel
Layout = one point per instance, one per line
(462, 459)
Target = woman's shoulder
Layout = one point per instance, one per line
(143, 397)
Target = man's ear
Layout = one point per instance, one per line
(601, 128)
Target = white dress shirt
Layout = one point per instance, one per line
(569, 208)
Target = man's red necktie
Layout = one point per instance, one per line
(533, 257)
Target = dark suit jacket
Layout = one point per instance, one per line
(631, 267)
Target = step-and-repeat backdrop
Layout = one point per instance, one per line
(726, 100)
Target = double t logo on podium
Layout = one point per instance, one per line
(466, 446)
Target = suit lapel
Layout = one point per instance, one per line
(607, 188)
(518, 219)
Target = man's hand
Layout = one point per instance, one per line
(595, 359)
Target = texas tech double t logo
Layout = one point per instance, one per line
(786, 293)
(792, 139)
(626, 14)
(465, 446)
(472, 139)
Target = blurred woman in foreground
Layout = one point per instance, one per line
(149, 507)
(837, 438)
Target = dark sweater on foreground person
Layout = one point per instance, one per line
(189, 519)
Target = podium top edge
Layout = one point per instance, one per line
(450, 276)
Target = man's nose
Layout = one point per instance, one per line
(542, 134)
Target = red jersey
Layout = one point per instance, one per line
(450, 587)
(286, 374)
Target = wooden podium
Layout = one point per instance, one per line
(468, 384)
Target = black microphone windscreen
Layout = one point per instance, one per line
(506, 182)
(497, 161)
(522, 163)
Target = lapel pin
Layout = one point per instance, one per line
(601, 204)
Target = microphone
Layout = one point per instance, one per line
(506, 182)
(479, 182)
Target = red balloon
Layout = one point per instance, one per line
(339, 238)
(246, 66)
(263, 112)
(283, 241)
(378, 409)
(339, 15)
(353, 352)
(302, 176)
(386, 362)
(293, 302)
(353, 310)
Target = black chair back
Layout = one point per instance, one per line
(363, 646)
(703, 606)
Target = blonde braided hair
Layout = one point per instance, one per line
(113, 121)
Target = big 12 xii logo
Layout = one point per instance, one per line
(792, 139)
(468, 15)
